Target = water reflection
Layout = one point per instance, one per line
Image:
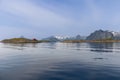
(78, 71)
(51, 45)
(94, 47)
(101, 47)
(19, 46)
(60, 61)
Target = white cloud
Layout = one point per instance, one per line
(33, 15)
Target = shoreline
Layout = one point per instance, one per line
(70, 41)
(90, 41)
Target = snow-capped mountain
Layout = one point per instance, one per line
(104, 34)
(116, 35)
(96, 35)
(61, 38)
(78, 37)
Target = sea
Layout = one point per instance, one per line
(60, 61)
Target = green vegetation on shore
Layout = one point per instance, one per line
(20, 40)
(23, 40)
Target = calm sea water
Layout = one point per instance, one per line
(60, 61)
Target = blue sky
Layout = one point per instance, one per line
(43, 18)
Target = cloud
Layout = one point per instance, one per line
(33, 15)
(51, 17)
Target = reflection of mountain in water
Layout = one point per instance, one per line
(61, 63)
(101, 47)
(20, 46)
(51, 45)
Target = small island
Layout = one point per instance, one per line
(20, 40)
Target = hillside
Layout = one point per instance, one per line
(100, 35)
(19, 40)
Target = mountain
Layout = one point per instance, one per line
(51, 39)
(57, 38)
(101, 35)
(78, 37)
(96, 35)
(62, 38)
(116, 35)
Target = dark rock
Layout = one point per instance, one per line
(100, 35)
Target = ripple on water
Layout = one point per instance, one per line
(59, 61)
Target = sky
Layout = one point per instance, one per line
(43, 18)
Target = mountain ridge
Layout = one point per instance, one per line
(96, 36)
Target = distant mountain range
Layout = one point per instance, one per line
(62, 38)
(96, 35)
(104, 35)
